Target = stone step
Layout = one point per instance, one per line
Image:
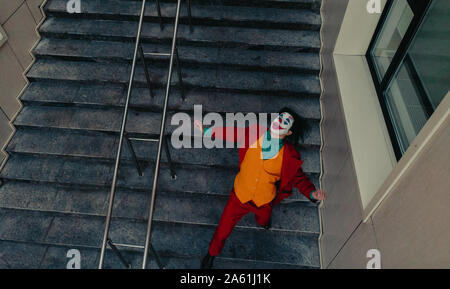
(108, 120)
(289, 4)
(31, 255)
(96, 173)
(241, 56)
(62, 93)
(168, 238)
(250, 38)
(104, 146)
(207, 14)
(204, 78)
(193, 208)
(190, 56)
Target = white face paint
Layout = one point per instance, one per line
(282, 124)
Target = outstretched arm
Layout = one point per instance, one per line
(307, 188)
(232, 134)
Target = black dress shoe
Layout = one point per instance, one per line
(207, 261)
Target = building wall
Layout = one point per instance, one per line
(345, 80)
(18, 20)
(364, 118)
(409, 229)
(340, 213)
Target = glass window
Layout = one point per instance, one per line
(423, 78)
(430, 52)
(397, 23)
(405, 106)
(413, 83)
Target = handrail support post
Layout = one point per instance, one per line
(147, 75)
(180, 76)
(117, 252)
(158, 261)
(133, 155)
(158, 8)
(169, 158)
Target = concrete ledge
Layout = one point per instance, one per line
(369, 139)
(371, 147)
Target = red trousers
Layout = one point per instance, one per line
(233, 212)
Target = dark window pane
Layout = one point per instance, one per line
(391, 35)
(405, 106)
(430, 52)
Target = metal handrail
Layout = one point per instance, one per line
(161, 136)
(119, 149)
(137, 50)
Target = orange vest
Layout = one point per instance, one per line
(257, 177)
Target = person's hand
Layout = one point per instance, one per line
(198, 125)
(319, 195)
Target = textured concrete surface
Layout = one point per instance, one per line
(242, 56)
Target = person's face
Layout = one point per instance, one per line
(281, 126)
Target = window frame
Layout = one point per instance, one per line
(420, 9)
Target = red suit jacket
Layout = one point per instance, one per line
(292, 174)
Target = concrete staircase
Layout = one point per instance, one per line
(242, 56)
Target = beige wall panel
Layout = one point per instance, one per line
(5, 128)
(11, 81)
(34, 6)
(335, 153)
(413, 223)
(413, 152)
(7, 8)
(330, 99)
(5, 131)
(336, 144)
(21, 30)
(341, 213)
(354, 254)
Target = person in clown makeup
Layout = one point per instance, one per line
(267, 161)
